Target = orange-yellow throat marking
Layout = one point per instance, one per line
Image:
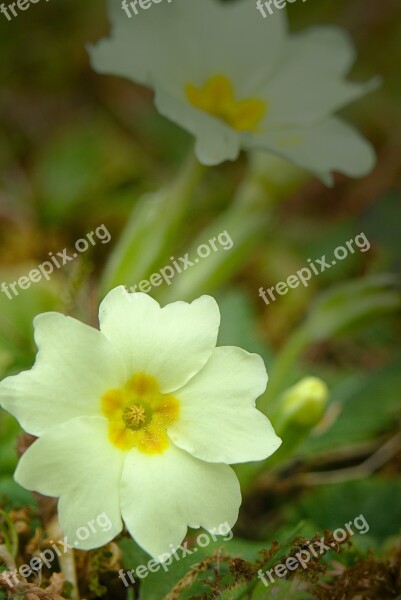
(217, 97)
(139, 415)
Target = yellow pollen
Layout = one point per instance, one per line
(139, 415)
(134, 416)
(217, 97)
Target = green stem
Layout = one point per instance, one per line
(269, 405)
(282, 369)
(247, 220)
(152, 227)
(9, 534)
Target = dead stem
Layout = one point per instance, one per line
(66, 560)
(365, 469)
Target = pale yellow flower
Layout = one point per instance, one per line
(238, 81)
(140, 419)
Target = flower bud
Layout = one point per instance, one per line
(305, 402)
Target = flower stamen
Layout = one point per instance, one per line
(134, 416)
(139, 415)
(217, 97)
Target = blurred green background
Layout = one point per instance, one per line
(78, 150)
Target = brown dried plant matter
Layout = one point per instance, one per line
(227, 574)
(31, 591)
(369, 579)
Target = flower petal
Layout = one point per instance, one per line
(147, 35)
(218, 419)
(233, 40)
(172, 343)
(216, 142)
(188, 41)
(74, 367)
(331, 145)
(76, 461)
(310, 84)
(162, 494)
(178, 53)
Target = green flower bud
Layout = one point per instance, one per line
(305, 402)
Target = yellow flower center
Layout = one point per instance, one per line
(134, 416)
(217, 97)
(139, 415)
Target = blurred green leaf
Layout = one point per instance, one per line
(13, 495)
(17, 314)
(331, 507)
(238, 324)
(280, 590)
(9, 430)
(381, 223)
(341, 310)
(80, 163)
(347, 306)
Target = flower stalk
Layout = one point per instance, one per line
(247, 220)
(66, 559)
(153, 225)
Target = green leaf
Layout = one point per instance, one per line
(342, 309)
(9, 430)
(154, 586)
(18, 312)
(238, 324)
(351, 304)
(280, 590)
(157, 585)
(331, 507)
(132, 554)
(382, 226)
(14, 495)
(82, 161)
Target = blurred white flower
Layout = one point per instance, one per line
(140, 419)
(236, 80)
